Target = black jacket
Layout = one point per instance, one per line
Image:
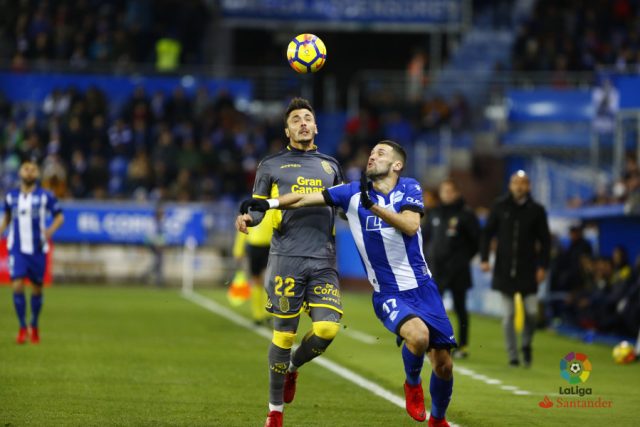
(451, 235)
(524, 244)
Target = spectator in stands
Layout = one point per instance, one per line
(566, 273)
(606, 103)
(522, 258)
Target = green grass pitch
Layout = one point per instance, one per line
(143, 357)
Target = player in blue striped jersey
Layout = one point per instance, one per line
(26, 210)
(384, 218)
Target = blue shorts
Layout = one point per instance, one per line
(424, 302)
(29, 266)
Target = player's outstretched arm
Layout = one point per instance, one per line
(287, 201)
(296, 200)
(407, 222)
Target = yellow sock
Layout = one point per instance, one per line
(258, 302)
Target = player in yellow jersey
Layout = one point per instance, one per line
(255, 246)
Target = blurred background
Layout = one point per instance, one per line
(149, 119)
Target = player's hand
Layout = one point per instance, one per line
(541, 273)
(484, 266)
(258, 205)
(242, 222)
(364, 191)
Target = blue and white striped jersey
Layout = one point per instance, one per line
(393, 261)
(29, 213)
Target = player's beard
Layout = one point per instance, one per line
(28, 182)
(378, 172)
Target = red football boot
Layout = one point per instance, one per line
(274, 419)
(415, 401)
(22, 336)
(438, 422)
(290, 379)
(35, 337)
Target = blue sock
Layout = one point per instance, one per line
(20, 303)
(440, 391)
(412, 365)
(36, 305)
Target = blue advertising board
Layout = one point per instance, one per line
(371, 12)
(34, 87)
(128, 223)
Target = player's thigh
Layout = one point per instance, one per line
(285, 283)
(36, 266)
(323, 288)
(18, 266)
(392, 310)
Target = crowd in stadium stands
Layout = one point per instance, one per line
(594, 292)
(579, 35)
(83, 32)
(161, 147)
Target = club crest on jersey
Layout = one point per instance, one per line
(326, 166)
(283, 302)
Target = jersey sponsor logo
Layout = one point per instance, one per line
(326, 166)
(414, 201)
(291, 165)
(374, 223)
(307, 185)
(328, 292)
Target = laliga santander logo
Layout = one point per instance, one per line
(575, 368)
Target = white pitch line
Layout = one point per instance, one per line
(491, 381)
(337, 369)
(359, 336)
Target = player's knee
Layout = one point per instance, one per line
(36, 289)
(444, 368)
(283, 339)
(326, 330)
(17, 285)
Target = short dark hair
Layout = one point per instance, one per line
(397, 148)
(297, 104)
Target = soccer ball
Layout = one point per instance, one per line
(623, 353)
(306, 53)
(575, 367)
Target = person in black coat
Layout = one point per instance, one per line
(451, 235)
(522, 258)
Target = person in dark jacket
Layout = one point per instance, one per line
(522, 258)
(451, 235)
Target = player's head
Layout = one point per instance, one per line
(519, 185)
(29, 172)
(300, 122)
(387, 157)
(448, 192)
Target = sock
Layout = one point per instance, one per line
(20, 303)
(412, 365)
(36, 305)
(278, 365)
(279, 408)
(311, 347)
(292, 367)
(440, 391)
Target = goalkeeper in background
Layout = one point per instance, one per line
(255, 246)
(384, 218)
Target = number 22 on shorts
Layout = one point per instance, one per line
(288, 282)
(389, 307)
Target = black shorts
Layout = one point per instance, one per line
(258, 258)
